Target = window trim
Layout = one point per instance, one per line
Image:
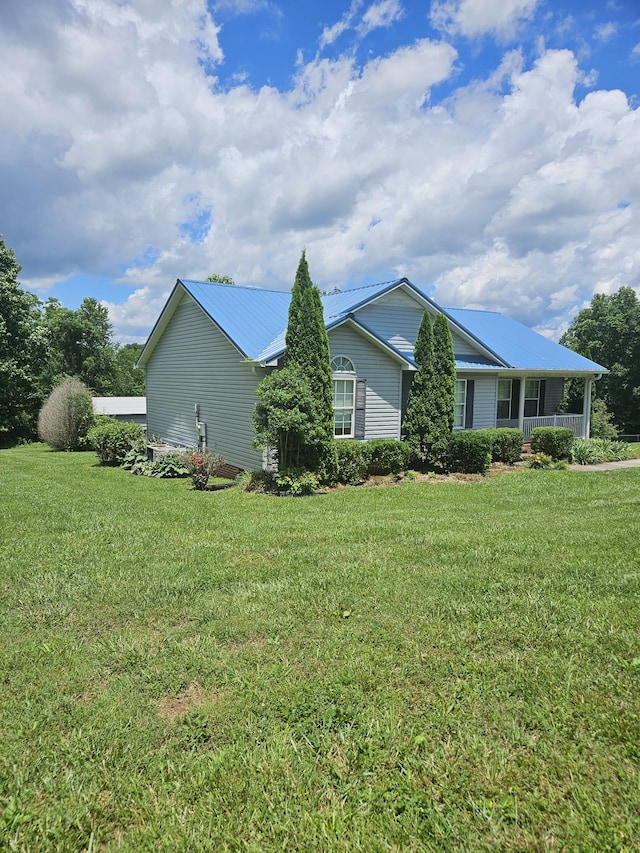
(529, 399)
(462, 405)
(508, 399)
(343, 370)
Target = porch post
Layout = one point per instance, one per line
(586, 407)
(521, 404)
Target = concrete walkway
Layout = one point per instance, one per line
(607, 466)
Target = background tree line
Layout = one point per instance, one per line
(42, 343)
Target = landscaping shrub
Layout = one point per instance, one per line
(169, 465)
(469, 452)
(602, 425)
(66, 416)
(593, 451)
(554, 441)
(540, 460)
(353, 461)
(256, 481)
(297, 482)
(506, 444)
(200, 465)
(387, 456)
(112, 439)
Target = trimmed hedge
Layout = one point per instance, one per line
(353, 461)
(506, 444)
(387, 456)
(112, 439)
(469, 452)
(556, 442)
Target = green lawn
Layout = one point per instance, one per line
(431, 666)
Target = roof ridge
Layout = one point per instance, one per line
(362, 287)
(234, 286)
(477, 310)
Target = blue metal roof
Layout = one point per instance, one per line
(250, 317)
(517, 345)
(255, 320)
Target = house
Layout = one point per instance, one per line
(213, 343)
(122, 408)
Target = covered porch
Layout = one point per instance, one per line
(531, 400)
(573, 422)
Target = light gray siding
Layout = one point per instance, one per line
(383, 376)
(462, 347)
(193, 363)
(396, 317)
(484, 400)
(553, 393)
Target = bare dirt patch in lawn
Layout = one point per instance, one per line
(171, 708)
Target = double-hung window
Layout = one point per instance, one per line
(531, 398)
(504, 400)
(344, 382)
(461, 397)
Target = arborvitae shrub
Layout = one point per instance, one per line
(506, 444)
(387, 456)
(112, 439)
(66, 416)
(353, 460)
(469, 452)
(556, 442)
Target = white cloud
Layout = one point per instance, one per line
(381, 14)
(332, 33)
(606, 31)
(474, 18)
(508, 195)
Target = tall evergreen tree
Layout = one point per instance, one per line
(307, 346)
(444, 389)
(418, 419)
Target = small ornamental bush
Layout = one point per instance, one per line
(387, 456)
(169, 465)
(601, 420)
(353, 460)
(200, 465)
(66, 416)
(469, 452)
(259, 482)
(554, 441)
(506, 444)
(112, 440)
(540, 460)
(297, 483)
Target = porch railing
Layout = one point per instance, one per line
(574, 422)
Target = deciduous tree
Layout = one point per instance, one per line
(22, 353)
(608, 331)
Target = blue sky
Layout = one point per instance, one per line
(487, 149)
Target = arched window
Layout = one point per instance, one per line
(342, 364)
(344, 383)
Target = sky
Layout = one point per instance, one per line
(489, 150)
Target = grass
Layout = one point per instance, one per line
(431, 666)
